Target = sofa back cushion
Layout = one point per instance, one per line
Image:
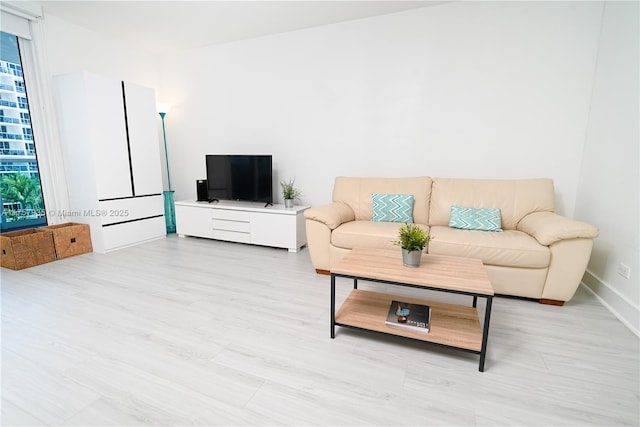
(356, 192)
(516, 198)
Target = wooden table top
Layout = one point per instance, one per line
(435, 271)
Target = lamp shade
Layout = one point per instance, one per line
(164, 108)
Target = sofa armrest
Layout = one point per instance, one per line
(549, 227)
(331, 215)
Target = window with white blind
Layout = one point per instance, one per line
(20, 187)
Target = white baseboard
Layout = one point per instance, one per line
(620, 306)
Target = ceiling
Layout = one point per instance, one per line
(167, 26)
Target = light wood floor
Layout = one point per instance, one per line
(197, 332)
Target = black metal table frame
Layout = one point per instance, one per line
(487, 312)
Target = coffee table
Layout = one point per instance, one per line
(452, 326)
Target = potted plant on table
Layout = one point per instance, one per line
(413, 240)
(289, 192)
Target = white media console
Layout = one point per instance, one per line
(243, 222)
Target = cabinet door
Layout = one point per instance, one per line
(194, 221)
(273, 230)
(105, 105)
(142, 122)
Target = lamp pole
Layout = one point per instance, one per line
(166, 153)
(169, 205)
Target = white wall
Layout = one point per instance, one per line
(71, 48)
(609, 182)
(466, 89)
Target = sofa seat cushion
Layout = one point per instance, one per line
(509, 248)
(367, 234)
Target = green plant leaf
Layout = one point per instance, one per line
(289, 191)
(412, 237)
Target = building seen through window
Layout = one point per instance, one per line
(20, 189)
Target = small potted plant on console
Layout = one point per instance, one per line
(413, 240)
(289, 192)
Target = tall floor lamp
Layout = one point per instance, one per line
(169, 204)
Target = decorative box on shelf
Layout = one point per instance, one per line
(26, 248)
(70, 239)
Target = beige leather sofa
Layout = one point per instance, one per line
(539, 254)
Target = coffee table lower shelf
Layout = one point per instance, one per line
(452, 325)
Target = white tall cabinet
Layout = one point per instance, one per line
(112, 159)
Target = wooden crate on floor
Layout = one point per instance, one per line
(26, 248)
(70, 239)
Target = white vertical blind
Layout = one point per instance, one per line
(15, 25)
(15, 17)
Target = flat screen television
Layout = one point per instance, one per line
(239, 177)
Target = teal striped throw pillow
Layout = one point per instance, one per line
(392, 208)
(486, 219)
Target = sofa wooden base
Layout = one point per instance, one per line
(551, 302)
(324, 272)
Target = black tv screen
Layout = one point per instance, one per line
(239, 177)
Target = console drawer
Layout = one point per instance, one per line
(232, 236)
(231, 215)
(226, 225)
